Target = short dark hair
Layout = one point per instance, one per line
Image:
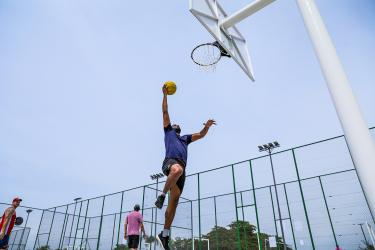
(176, 128)
(137, 207)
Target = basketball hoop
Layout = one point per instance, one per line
(207, 55)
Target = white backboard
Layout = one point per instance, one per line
(211, 14)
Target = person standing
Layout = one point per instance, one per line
(134, 223)
(7, 223)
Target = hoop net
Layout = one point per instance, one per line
(206, 56)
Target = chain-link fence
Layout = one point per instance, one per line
(18, 238)
(306, 197)
(22, 236)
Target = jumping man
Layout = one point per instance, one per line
(7, 223)
(174, 167)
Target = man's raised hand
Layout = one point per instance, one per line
(209, 123)
(164, 90)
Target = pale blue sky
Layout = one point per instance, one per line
(80, 89)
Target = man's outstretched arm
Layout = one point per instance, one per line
(204, 131)
(166, 120)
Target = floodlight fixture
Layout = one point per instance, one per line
(157, 176)
(269, 146)
(77, 199)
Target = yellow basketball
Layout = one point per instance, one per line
(171, 87)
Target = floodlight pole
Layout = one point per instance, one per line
(156, 177)
(269, 151)
(28, 211)
(360, 142)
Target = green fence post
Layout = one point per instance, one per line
(156, 212)
(303, 199)
(256, 207)
(61, 241)
(290, 217)
(329, 214)
(199, 215)
(191, 224)
(50, 229)
(74, 215)
(216, 236)
(87, 235)
(236, 206)
(152, 223)
(79, 216)
(113, 231)
(14, 239)
(119, 220)
(243, 219)
(37, 234)
(143, 206)
(100, 225)
(274, 217)
(84, 224)
(363, 233)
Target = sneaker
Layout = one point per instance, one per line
(160, 201)
(163, 241)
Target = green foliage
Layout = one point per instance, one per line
(150, 239)
(238, 234)
(367, 246)
(121, 247)
(46, 247)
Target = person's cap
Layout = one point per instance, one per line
(17, 199)
(137, 207)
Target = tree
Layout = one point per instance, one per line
(121, 247)
(238, 234)
(46, 247)
(367, 246)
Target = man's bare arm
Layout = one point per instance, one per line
(126, 228)
(143, 229)
(166, 120)
(204, 131)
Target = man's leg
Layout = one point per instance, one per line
(175, 173)
(172, 205)
(163, 237)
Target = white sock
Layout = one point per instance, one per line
(166, 232)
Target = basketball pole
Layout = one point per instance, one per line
(360, 142)
(357, 134)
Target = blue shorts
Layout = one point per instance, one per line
(4, 242)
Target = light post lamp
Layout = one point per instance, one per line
(156, 177)
(268, 148)
(28, 211)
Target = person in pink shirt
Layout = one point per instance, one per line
(134, 222)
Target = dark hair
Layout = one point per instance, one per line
(176, 128)
(137, 207)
